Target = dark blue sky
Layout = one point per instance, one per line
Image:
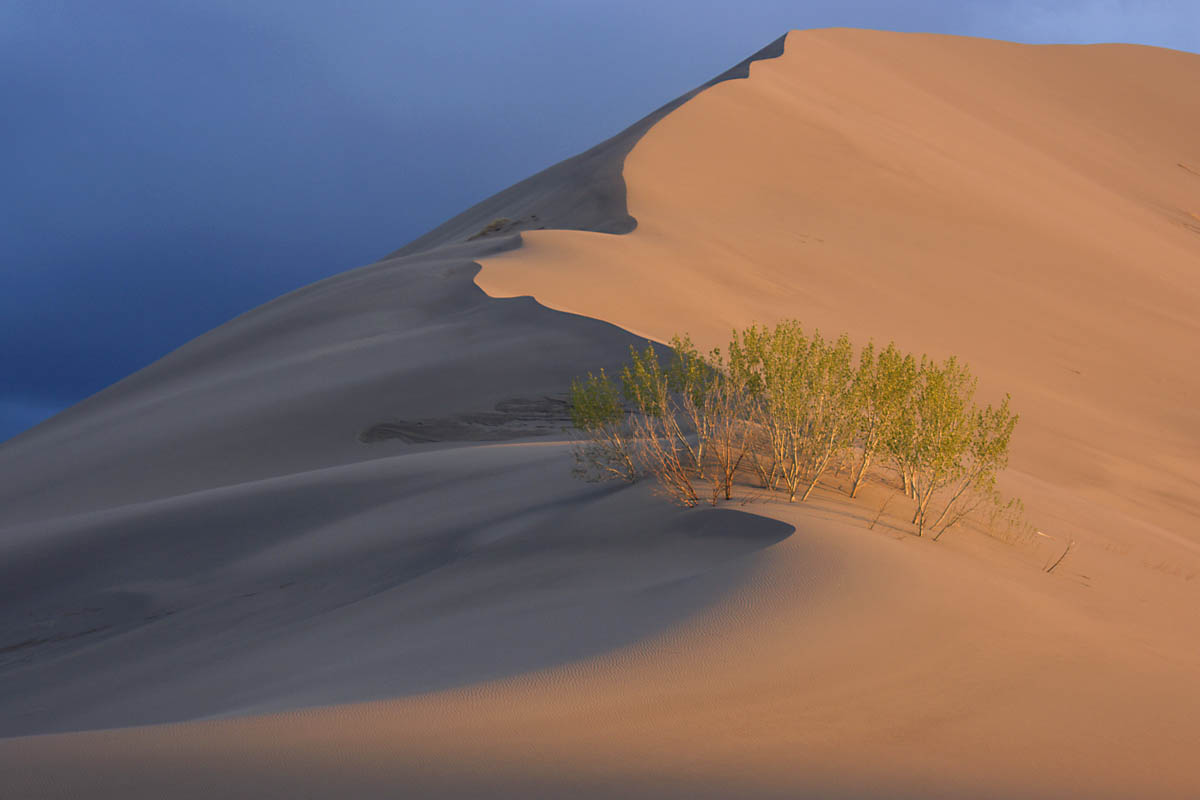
(169, 165)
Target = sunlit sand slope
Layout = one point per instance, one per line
(1034, 210)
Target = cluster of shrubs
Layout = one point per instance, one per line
(783, 409)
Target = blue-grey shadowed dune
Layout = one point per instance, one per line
(319, 467)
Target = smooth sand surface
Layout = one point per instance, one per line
(1026, 208)
(1030, 209)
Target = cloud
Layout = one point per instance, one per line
(1163, 23)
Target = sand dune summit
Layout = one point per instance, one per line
(333, 548)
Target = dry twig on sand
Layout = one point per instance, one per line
(1060, 559)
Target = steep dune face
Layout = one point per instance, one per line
(584, 193)
(1031, 209)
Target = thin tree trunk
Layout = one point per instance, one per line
(922, 506)
(768, 478)
(862, 470)
(819, 470)
(816, 477)
(791, 474)
(737, 462)
(879, 514)
(959, 516)
(962, 488)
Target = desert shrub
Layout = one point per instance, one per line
(946, 447)
(691, 379)
(666, 450)
(937, 432)
(1006, 520)
(712, 397)
(789, 406)
(495, 226)
(606, 448)
(729, 432)
(882, 387)
(799, 400)
(985, 458)
(831, 411)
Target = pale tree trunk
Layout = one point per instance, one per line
(767, 477)
(923, 495)
(819, 470)
(697, 417)
(816, 477)
(791, 471)
(858, 479)
(793, 486)
(962, 488)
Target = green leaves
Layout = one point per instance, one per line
(801, 400)
(606, 450)
(644, 382)
(790, 405)
(691, 374)
(595, 402)
(883, 386)
(943, 442)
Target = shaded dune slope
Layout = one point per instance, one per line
(291, 386)
(224, 510)
(350, 583)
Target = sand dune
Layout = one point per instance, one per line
(215, 536)
(1020, 206)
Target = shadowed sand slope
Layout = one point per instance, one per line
(845, 665)
(385, 578)
(215, 536)
(293, 386)
(306, 506)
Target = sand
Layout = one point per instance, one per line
(462, 618)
